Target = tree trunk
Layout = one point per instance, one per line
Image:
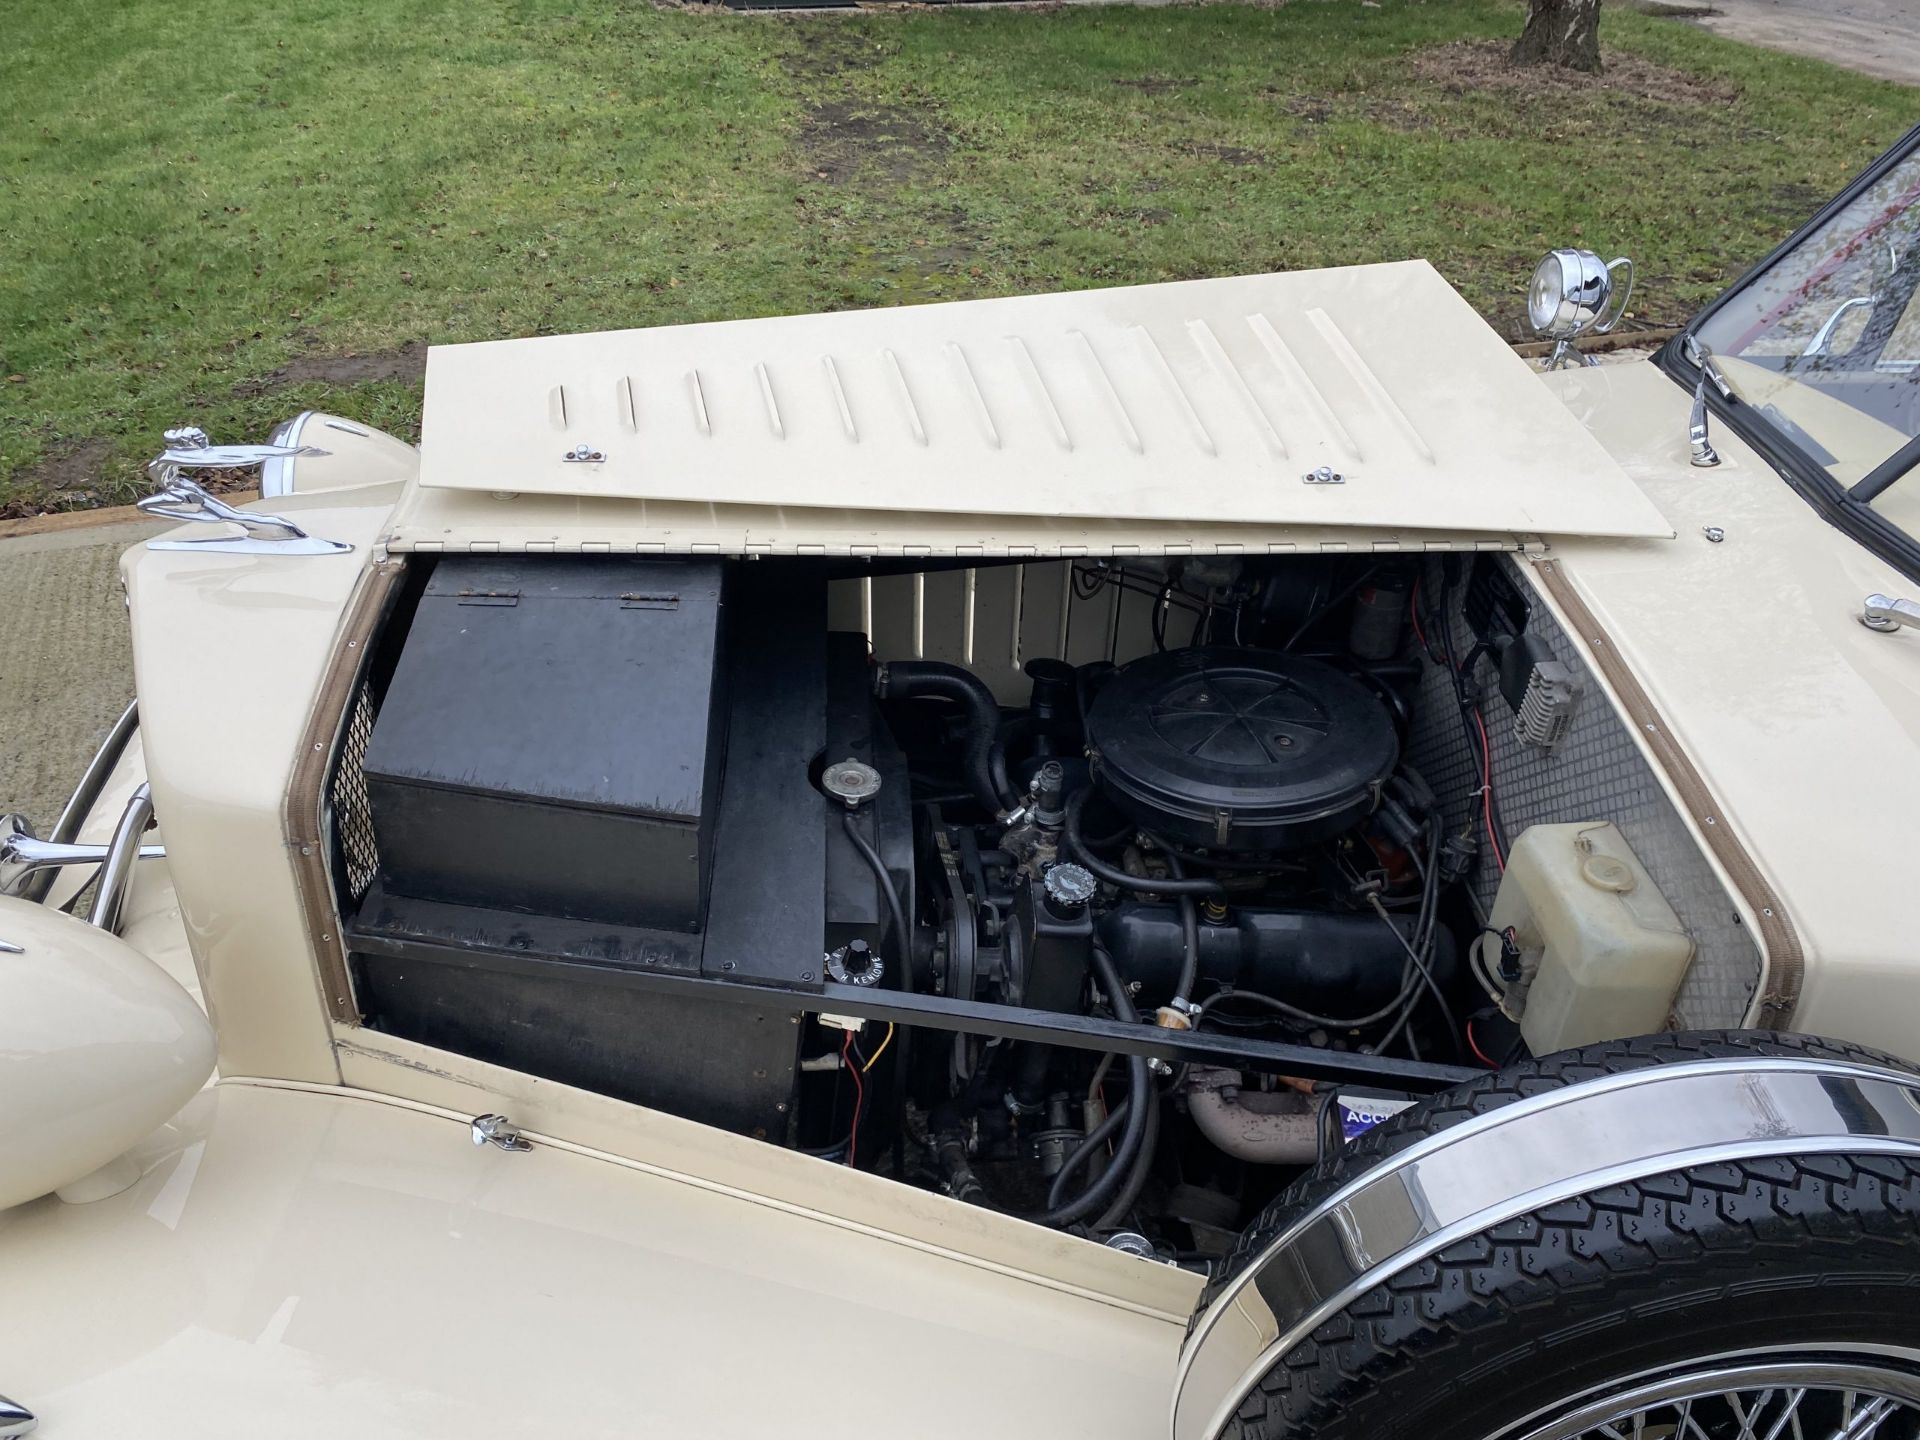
(1561, 32)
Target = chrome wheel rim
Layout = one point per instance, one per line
(1827, 1397)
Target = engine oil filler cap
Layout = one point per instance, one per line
(1230, 749)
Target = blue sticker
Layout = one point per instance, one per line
(1360, 1113)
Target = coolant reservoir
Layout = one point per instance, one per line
(1599, 943)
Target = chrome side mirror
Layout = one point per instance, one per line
(1573, 293)
(182, 499)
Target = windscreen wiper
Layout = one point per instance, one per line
(1887, 471)
(1703, 452)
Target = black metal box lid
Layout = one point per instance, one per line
(552, 737)
(586, 683)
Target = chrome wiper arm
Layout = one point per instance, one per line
(1704, 454)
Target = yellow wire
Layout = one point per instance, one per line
(881, 1051)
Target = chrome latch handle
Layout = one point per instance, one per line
(498, 1131)
(1884, 613)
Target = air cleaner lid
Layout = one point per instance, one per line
(1241, 749)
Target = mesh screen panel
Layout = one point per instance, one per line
(1595, 773)
(347, 807)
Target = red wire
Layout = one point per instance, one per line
(1486, 789)
(859, 1093)
(1474, 1045)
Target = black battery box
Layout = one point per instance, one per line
(552, 739)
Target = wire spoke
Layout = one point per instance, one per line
(1688, 1423)
(1748, 1418)
(1775, 1412)
(1866, 1421)
(1789, 1415)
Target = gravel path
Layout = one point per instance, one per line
(1874, 37)
(66, 669)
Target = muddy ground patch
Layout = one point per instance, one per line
(67, 477)
(407, 363)
(1485, 66)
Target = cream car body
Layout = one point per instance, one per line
(314, 1244)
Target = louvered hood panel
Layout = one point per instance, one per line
(1370, 396)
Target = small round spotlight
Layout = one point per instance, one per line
(1572, 293)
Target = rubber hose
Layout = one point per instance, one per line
(903, 941)
(1189, 929)
(1190, 962)
(1087, 1149)
(997, 767)
(1140, 1106)
(908, 678)
(1076, 846)
(1137, 1177)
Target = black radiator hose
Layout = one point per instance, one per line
(903, 679)
(1139, 1104)
(1076, 848)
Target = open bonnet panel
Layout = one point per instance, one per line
(771, 701)
(1366, 407)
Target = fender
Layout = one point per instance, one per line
(1492, 1168)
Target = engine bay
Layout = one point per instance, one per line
(1115, 933)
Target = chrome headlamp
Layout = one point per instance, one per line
(1573, 293)
(276, 473)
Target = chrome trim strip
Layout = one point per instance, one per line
(1505, 1163)
(276, 474)
(87, 793)
(304, 814)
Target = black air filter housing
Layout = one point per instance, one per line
(1226, 749)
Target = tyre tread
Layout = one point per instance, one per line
(1611, 1247)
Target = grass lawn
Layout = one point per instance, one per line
(232, 210)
